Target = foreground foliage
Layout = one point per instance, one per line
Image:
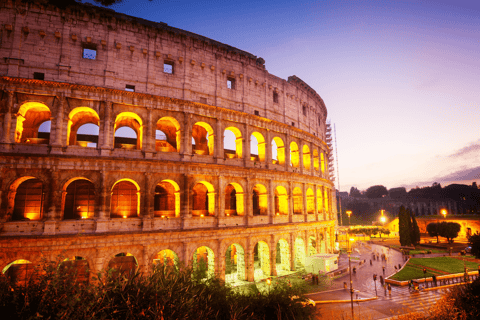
(165, 293)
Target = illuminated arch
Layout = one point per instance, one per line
(260, 200)
(29, 199)
(125, 201)
(203, 199)
(171, 128)
(260, 148)
(278, 149)
(238, 143)
(78, 200)
(132, 121)
(204, 263)
(166, 201)
(326, 202)
(299, 253)
(281, 201)
(123, 264)
(282, 257)
(235, 268)
(294, 155)
(203, 135)
(19, 271)
(261, 260)
(310, 201)
(77, 118)
(234, 200)
(322, 162)
(29, 118)
(315, 160)
(319, 200)
(166, 258)
(306, 157)
(297, 201)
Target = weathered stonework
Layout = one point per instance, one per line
(97, 195)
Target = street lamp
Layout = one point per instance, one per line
(349, 213)
(382, 220)
(349, 250)
(444, 213)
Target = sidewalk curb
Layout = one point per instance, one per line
(342, 301)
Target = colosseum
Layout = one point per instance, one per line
(130, 142)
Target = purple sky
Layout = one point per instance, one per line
(400, 79)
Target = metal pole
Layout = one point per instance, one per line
(351, 283)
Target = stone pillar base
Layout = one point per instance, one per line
(147, 224)
(49, 228)
(148, 154)
(101, 225)
(105, 152)
(56, 149)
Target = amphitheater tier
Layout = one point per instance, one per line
(221, 158)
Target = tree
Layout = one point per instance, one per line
(376, 192)
(449, 230)
(474, 242)
(397, 193)
(404, 226)
(432, 229)
(354, 192)
(415, 230)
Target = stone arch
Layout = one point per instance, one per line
(77, 118)
(282, 257)
(166, 202)
(234, 200)
(170, 140)
(125, 201)
(235, 267)
(77, 267)
(306, 157)
(316, 164)
(322, 161)
(19, 271)
(30, 116)
(278, 149)
(297, 201)
(203, 199)
(204, 262)
(299, 253)
(281, 201)
(78, 199)
(294, 155)
(124, 264)
(132, 121)
(203, 136)
(260, 200)
(261, 260)
(310, 201)
(27, 199)
(326, 202)
(166, 258)
(260, 147)
(238, 152)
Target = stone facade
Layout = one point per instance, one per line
(173, 183)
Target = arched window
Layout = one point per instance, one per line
(202, 134)
(29, 201)
(294, 155)
(82, 129)
(233, 143)
(167, 135)
(125, 200)
(128, 131)
(278, 151)
(79, 200)
(33, 124)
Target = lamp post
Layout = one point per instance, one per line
(382, 220)
(349, 250)
(349, 213)
(269, 282)
(444, 212)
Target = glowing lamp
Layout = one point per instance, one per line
(352, 239)
(202, 215)
(383, 219)
(124, 217)
(444, 212)
(278, 214)
(269, 281)
(163, 216)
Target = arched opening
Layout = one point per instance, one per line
(83, 127)
(166, 259)
(203, 136)
(29, 200)
(203, 263)
(125, 200)
(123, 264)
(257, 147)
(128, 131)
(322, 162)
(283, 257)
(235, 269)
(306, 157)
(299, 254)
(20, 272)
(326, 203)
(297, 201)
(310, 201)
(278, 151)
(76, 268)
(260, 200)
(234, 200)
(203, 199)
(167, 135)
(233, 143)
(315, 160)
(261, 261)
(33, 123)
(166, 202)
(319, 200)
(294, 155)
(79, 200)
(281, 201)
(312, 246)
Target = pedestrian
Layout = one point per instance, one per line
(370, 261)
(389, 289)
(383, 269)
(395, 268)
(399, 266)
(354, 270)
(374, 256)
(434, 279)
(381, 280)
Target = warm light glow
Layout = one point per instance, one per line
(349, 213)
(228, 214)
(269, 281)
(278, 213)
(444, 212)
(124, 217)
(383, 219)
(163, 216)
(202, 215)
(352, 239)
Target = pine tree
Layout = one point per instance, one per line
(404, 225)
(415, 234)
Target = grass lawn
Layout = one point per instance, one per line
(414, 268)
(424, 250)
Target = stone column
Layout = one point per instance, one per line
(268, 150)
(106, 134)
(49, 226)
(219, 142)
(249, 261)
(315, 202)
(287, 154)
(56, 142)
(149, 134)
(290, 202)
(186, 145)
(273, 256)
(248, 202)
(147, 209)
(292, 252)
(246, 147)
(301, 164)
(220, 204)
(7, 121)
(185, 209)
(104, 213)
(305, 202)
(271, 201)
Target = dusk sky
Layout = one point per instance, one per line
(400, 79)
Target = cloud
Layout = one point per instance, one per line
(464, 174)
(466, 152)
